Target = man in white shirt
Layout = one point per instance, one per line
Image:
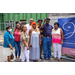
(29, 25)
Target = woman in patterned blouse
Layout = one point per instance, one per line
(24, 38)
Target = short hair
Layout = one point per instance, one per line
(8, 27)
(17, 22)
(56, 23)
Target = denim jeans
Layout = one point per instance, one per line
(47, 46)
(17, 49)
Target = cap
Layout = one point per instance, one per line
(48, 19)
(7, 27)
(39, 20)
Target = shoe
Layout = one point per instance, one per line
(18, 59)
(40, 57)
(49, 59)
(44, 60)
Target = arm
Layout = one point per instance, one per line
(8, 42)
(40, 38)
(44, 23)
(30, 37)
(62, 36)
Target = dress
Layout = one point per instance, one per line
(35, 49)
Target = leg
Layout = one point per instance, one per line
(45, 46)
(41, 47)
(23, 56)
(49, 47)
(19, 49)
(16, 49)
(55, 50)
(59, 51)
(9, 58)
(27, 54)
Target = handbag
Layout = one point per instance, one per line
(12, 56)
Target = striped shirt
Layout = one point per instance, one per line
(41, 30)
(47, 30)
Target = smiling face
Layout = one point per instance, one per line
(34, 26)
(56, 26)
(18, 26)
(47, 21)
(24, 28)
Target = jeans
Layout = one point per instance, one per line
(17, 49)
(47, 46)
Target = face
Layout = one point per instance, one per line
(55, 26)
(47, 21)
(18, 26)
(34, 26)
(9, 28)
(40, 22)
(31, 21)
(25, 28)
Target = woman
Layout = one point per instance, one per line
(17, 33)
(24, 44)
(8, 43)
(34, 42)
(57, 40)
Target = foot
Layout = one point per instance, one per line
(54, 59)
(43, 59)
(40, 57)
(18, 59)
(59, 60)
(49, 59)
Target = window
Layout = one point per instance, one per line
(10, 22)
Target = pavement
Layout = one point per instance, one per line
(3, 58)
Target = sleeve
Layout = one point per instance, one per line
(7, 39)
(52, 27)
(22, 37)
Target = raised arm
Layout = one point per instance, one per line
(40, 37)
(44, 23)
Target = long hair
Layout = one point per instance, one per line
(35, 24)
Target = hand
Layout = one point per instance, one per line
(27, 48)
(62, 42)
(45, 20)
(11, 47)
(29, 44)
(39, 43)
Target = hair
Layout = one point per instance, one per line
(8, 27)
(17, 22)
(56, 23)
(36, 26)
(22, 27)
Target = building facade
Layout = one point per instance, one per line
(11, 18)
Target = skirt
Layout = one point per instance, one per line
(7, 51)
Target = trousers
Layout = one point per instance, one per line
(47, 47)
(25, 55)
(57, 48)
(17, 49)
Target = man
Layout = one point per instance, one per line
(47, 29)
(41, 30)
(29, 25)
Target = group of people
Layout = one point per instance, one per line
(33, 39)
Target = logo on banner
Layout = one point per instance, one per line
(70, 34)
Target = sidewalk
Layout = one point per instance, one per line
(3, 58)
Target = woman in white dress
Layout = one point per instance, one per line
(34, 42)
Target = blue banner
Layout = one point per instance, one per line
(68, 27)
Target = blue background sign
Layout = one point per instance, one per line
(68, 27)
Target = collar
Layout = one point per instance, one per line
(47, 25)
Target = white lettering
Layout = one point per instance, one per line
(72, 51)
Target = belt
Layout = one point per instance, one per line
(47, 36)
